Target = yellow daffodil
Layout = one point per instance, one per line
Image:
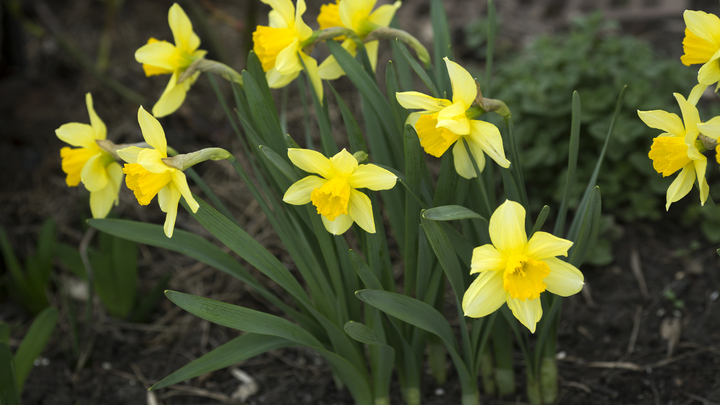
(516, 270)
(335, 194)
(442, 123)
(279, 46)
(148, 175)
(357, 15)
(162, 57)
(96, 168)
(702, 45)
(678, 148)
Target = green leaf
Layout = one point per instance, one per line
(46, 250)
(362, 333)
(357, 142)
(442, 44)
(329, 147)
(190, 245)
(580, 214)
(450, 213)
(589, 228)
(540, 221)
(572, 164)
(11, 260)
(150, 300)
(490, 49)
(124, 265)
(70, 257)
(239, 349)
(391, 83)
(418, 69)
(9, 393)
(33, 344)
(414, 166)
(264, 113)
(4, 333)
(403, 68)
(280, 163)
(363, 271)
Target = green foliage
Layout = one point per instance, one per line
(27, 284)
(538, 85)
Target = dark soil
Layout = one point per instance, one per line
(613, 345)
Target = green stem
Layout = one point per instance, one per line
(502, 343)
(487, 371)
(472, 398)
(548, 380)
(492, 25)
(484, 201)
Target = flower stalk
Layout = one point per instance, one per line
(404, 36)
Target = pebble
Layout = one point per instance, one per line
(439, 392)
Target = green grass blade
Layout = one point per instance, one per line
(417, 68)
(280, 163)
(239, 349)
(355, 137)
(540, 221)
(589, 228)
(264, 114)
(490, 49)
(450, 213)
(125, 265)
(403, 68)
(9, 392)
(33, 344)
(572, 164)
(393, 87)
(442, 44)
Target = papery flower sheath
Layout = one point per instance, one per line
(97, 169)
(678, 148)
(279, 46)
(357, 15)
(148, 175)
(702, 45)
(162, 57)
(516, 270)
(335, 193)
(442, 123)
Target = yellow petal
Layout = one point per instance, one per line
(710, 128)
(338, 227)
(663, 121)
(485, 295)
(709, 73)
(151, 70)
(418, 101)
(161, 55)
(697, 50)
(130, 154)
(360, 210)
(287, 61)
(384, 14)
(700, 167)
(543, 245)
(373, 177)
(507, 228)
(152, 131)
(528, 312)
(704, 25)
(76, 134)
(353, 12)
(180, 182)
(344, 163)
(463, 84)
(311, 161)
(488, 137)
(73, 161)
(182, 30)
(690, 114)
(372, 51)
(487, 258)
(150, 161)
(101, 201)
(283, 8)
(95, 122)
(169, 198)
(311, 68)
(276, 80)
(330, 69)
(299, 192)
(171, 99)
(454, 119)
(268, 42)
(696, 93)
(93, 174)
(681, 186)
(564, 278)
(302, 29)
(463, 165)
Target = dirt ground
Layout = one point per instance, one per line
(623, 341)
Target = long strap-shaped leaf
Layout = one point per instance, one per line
(33, 344)
(253, 321)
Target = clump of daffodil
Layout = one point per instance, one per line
(335, 193)
(162, 57)
(148, 174)
(357, 15)
(678, 148)
(442, 123)
(89, 163)
(279, 46)
(516, 270)
(702, 45)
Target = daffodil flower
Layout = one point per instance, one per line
(442, 123)
(162, 57)
(516, 270)
(678, 148)
(357, 15)
(88, 163)
(148, 175)
(279, 45)
(335, 194)
(702, 45)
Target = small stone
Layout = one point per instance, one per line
(660, 312)
(106, 366)
(132, 382)
(439, 392)
(45, 361)
(560, 355)
(714, 295)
